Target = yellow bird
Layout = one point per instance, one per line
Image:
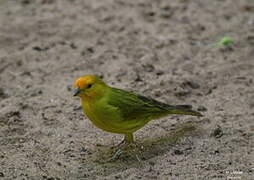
(119, 111)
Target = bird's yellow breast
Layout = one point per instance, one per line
(101, 119)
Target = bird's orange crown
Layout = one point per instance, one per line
(89, 86)
(82, 82)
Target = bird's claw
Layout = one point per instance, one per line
(123, 143)
(117, 154)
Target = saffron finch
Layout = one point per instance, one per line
(119, 111)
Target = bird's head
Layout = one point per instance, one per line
(89, 87)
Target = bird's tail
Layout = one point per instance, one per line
(184, 110)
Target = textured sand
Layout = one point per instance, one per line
(163, 49)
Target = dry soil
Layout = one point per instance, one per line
(163, 49)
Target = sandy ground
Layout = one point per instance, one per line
(162, 49)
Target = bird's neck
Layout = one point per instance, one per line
(95, 95)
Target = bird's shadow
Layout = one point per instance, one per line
(135, 155)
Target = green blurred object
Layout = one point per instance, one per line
(225, 41)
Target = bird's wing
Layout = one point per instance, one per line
(136, 107)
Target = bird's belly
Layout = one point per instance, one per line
(100, 123)
(109, 119)
(103, 122)
(114, 126)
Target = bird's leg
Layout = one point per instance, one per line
(116, 155)
(128, 138)
(127, 145)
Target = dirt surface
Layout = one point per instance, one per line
(163, 49)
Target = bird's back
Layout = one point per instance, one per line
(134, 106)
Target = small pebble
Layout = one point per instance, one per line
(191, 84)
(202, 108)
(217, 133)
(178, 152)
(1, 174)
(2, 93)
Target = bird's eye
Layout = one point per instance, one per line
(89, 86)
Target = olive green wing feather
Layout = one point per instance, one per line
(132, 106)
(136, 107)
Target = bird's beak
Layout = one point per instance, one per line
(76, 91)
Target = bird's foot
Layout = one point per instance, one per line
(123, 143)
(117, 154)
(125, 146)
(121, 148)
(128, 139)
(129, 148)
